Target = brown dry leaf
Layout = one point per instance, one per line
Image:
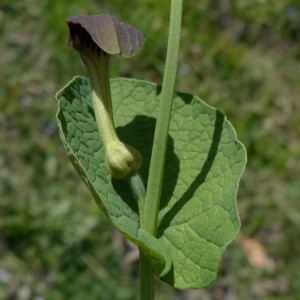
(256, 254)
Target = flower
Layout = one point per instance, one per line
(96, 38)
(104, 33)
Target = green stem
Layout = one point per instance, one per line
(137, 187)
(153, 195)
(149, 206)
(146, 279)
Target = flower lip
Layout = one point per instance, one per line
(105, 33)
(80, 39)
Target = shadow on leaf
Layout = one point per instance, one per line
(140, 134)
(199, 179)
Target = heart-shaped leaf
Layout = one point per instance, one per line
(204, 162)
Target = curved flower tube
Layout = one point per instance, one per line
(96, 38)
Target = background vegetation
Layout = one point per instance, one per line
(240, 56)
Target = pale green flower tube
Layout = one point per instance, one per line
(96, 38)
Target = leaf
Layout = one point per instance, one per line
(256, 254)
(204, 162)
(79, 133)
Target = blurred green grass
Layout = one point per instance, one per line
(242, 57)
